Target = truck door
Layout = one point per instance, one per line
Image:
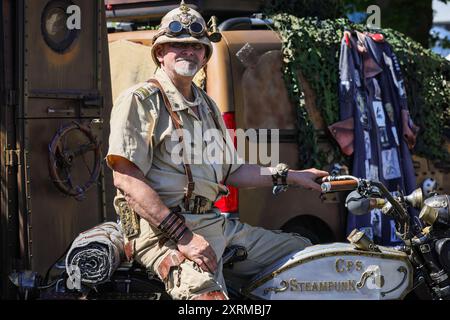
(61, 111)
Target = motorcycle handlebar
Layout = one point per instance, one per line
(350, 183)
(346, 185)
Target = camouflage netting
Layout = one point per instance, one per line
(312, 46)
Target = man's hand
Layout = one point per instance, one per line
(196, 248)
(306, 178)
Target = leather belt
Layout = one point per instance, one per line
(198, 205)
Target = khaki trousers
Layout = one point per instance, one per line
(187, 280)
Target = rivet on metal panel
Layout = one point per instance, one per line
(247, 55)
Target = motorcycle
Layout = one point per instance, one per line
(356, 270)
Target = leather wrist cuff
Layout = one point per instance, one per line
(281, 173)
(173, 226)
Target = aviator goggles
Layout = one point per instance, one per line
(176, 28)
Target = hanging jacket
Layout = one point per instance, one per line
(372, 97)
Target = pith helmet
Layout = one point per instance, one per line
(182, 24)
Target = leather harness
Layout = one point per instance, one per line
(178, 125)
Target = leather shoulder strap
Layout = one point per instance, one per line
(177, 123)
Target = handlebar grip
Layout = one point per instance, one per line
(344, 185)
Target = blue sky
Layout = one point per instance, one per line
(442, 11)
(441, 15)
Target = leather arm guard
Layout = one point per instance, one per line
(173, 226)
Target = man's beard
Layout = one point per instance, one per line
(186, 68)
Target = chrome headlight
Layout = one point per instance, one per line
(436, 210)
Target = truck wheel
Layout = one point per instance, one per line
(310, 227)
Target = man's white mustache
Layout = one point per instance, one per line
(188, 60)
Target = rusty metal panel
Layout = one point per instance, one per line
(262, 95)
(60, 87)
(59, 108)
(106, 90)
(9, 254)
(55, 218)
(261, 41)
(67, 58)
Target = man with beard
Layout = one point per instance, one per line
(177, 232)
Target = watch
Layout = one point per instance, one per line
(279, 178)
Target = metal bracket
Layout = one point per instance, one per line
(425, 248)
(366, 275)
(400, 269)
(93, 102)
(12, 158)
(284, 285)
(12, 98)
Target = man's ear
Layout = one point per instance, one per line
(205, 56)
(159, 51)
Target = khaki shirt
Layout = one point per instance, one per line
(141, 131)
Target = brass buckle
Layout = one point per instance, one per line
(129, 220)
(200, 205)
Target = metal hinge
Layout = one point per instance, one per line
(12, 158)
(12, 98)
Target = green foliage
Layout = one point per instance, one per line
(427, 80)
(400, 15)
(312, 46)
